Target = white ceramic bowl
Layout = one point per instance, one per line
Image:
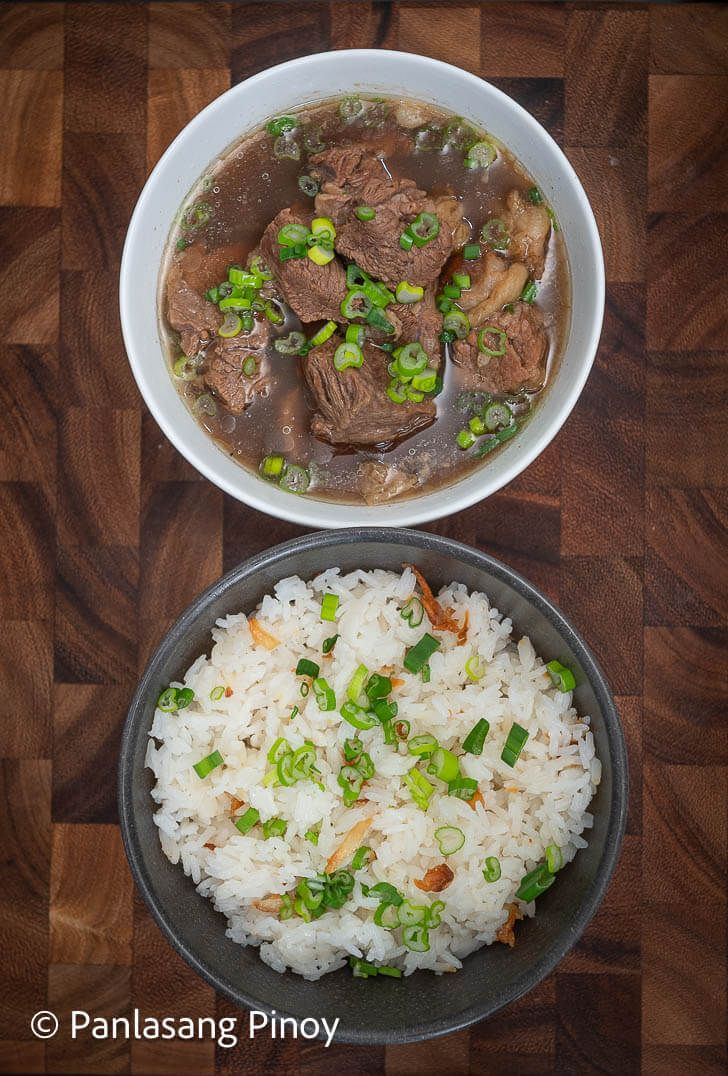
(302, 82)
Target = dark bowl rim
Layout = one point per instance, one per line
(436, 544)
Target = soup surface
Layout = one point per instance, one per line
(363, 300)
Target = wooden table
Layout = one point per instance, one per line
(106, 533)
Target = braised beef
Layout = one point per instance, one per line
(522, 366)
(352, 406)
(529, 227)
(421, 321)
(223, 370)
(190, 314)
(314, 292)
(494, 282)
(380, 482)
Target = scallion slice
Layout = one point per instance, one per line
(329, 605)
(365, 213)
(419, 654)
(274, 827)
(515, 742)
(307, 668)
(357, 716)
(312, 836)
(217, 693)
(450, 839)
(554, 858)
(488, 332)
(444, 765)
(416, 938)
(419, 788)
(423, 746)
(471, 251)
(247, 820)
(561, 676)
(361, 857)
(474, 741)
(208, 764)
(475, 668)
(355, 691)
(323, 334)
(329, 644)
(535, 883)
(325, 696)
(408, 293)
(491, 869)
(387, 916)
(462, 787)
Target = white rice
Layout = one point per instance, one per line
(542, 801)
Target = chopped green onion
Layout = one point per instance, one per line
(378, 687)
(528, 295)
(416, 938)
(350, 108)
(461, 280)
(561, 676)
(250, 366)
(408, 293)
(534, 196)
(411, 914)
(356, 334)
(304, 689)
(295, 479)
(471, 251)
(351, 781)
(291, 344)
(271, 778)
(475, 667)
(290, 235)
(406, 241)
(208, 764)
(167, 701)
(423, 745)
(272, 466)
(426, 673)
(386, 893)
(308, 185)
(281, 124)
(365, 212)
(419, 654)
(497, 414)
(329, 644)
(320, 254)
(554, 858)
(279, 748)
(323, 334)
(410, 359)
(491, 869)
(307, 668)
(387, 916)
(362, 856)
(312, 835)
(273, 313)
(284, 769)
(402, 728)
(247, 820)
(449, 839)
(480, 155)
(231, 326)
(348, 355)
(329, 605)
(500, 348)
(426, 380)
(515, 742)
(419, 787)
(423, 229)
(444, 765)
(395, 391)
(465, 439)
(185, 369)
(235, 303)
(535, 883)
(443, 304)
(355, 691)
(357, 716)
(353, 750)
(497, 439)
(552, 218)
(455, 321)
(274, 827)
(356, 304)
(413, 611)
(451, 291)
(325, 696)
(217, 693)
(361, 969)
(286, 910)
(185, 695)
(473, 742)
(462, 787)
(385, 711)
(294, 712)
(387, 969)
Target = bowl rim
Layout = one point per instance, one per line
(436, 544)
(312, 512)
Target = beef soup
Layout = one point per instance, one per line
(364, 300)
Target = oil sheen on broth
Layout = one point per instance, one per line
(221, 224)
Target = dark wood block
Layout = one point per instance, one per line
(684, 689)
(28, 401)
(99, 195)
(606, 83)
(31, 36)
(189, 36)
(26, 675)
(96, 614)
(98, 497)
(22, 1057)
(604, 597)
(106, 67)
(446, 33)
(104, 992)
(520, 1038)
(630, 713)
(686, 563)
(95, 368)
(262, 1053)
(683, 975)
(30, 241)
(30, 167)
(602, 509)
(246, 532)
(693, 386)
(684, 1060)
(530, 45)
(161, 462)
(685, 838)
(90, 915)
(616, 183)
(608, 1039)
(25, 830)
(688, 159)
(542, 97)
(175, 96)
(267, 34)
(363, 25)
(688, 39)
(84, 782)
(27, 541)
(678, 320)
(449, 1055)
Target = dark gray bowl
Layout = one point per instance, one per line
(423, 1005)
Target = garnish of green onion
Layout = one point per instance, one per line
(358, 716)
(294, 712)
(530, 290)
(362, 856)
(355, 690)
(365, 213)
(465, 439)
(471, 251)
(534, 196)
(272, 466)
(387, 916)
(408, 293)
(323, 334)
(423, 746)
(279, 748)
(474, 741)
(461, 280)
(312, 836)
(419, 654)
(450, 839)
(329, 644)
(378, 687)
(419, 788)
(462, 787)
(307, 668)
(426, 674)
(167, 701)
(475, 668)
(416, 938)
(274, 827)
(515, 742)
(329, 605)
(247, 820)
(384, 892)
(561, 676)
(554, 858)
(325, 696)
(491, 869)
(444, 765)
(535, 883)
(208, 764)
(217, 693)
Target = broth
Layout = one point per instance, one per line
(222, 224)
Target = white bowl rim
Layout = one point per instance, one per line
(312, 512)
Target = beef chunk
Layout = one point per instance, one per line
(450, 212)
(529, 227)
(352, 405)
(351, 176)
(192, 316)
(493, 283)
(224, 360)
(523, 364)
(314, 292)
(380, 482)
(420, 321)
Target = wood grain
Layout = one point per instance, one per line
(108, 533)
